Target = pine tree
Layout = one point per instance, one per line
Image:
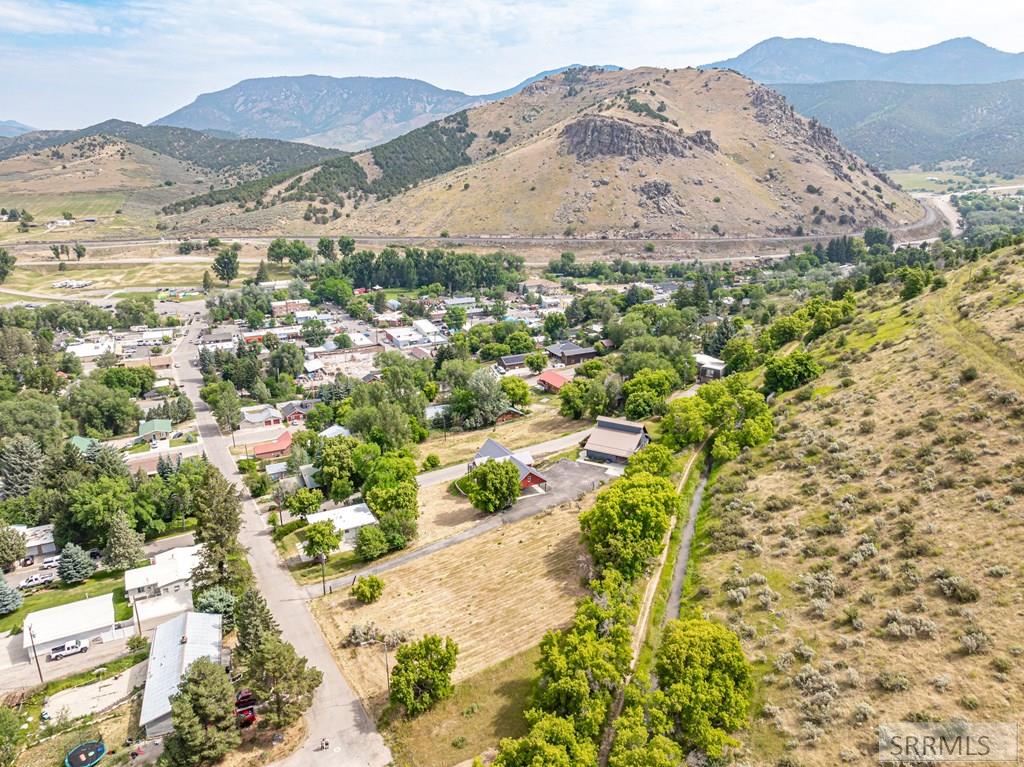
(106, 461)
(12, 545)
(124, 545)
(21, 462)
(203, 715)
(74, 565)
(218, 520)
(255, 623)
(207, 281)
(280, 676)
(10, 598)
(262, 272)
(218, 600)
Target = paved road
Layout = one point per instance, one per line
(568, 479)
(337, 713)
(557, 445)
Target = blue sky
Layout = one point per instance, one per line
(70, 64)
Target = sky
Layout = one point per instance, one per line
(71, 64)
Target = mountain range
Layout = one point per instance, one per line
(11, 128)
(896, 125)
(808, 60)
(348, 113)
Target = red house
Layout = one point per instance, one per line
(273, 449)
(551, 381)
(495, 451)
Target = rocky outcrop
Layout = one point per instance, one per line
(599, 136)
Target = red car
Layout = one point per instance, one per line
(245, 717)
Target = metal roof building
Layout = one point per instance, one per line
(176, 645)
(86, 619)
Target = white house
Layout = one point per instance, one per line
(177, 644)
(168, 572)
(347, 520)
(88, 620)
(38, 540)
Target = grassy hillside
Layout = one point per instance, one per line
(638, 153)
(895, 125)
(869, 557)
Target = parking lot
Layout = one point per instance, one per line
(567, 481)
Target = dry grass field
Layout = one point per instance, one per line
(542, 424)
(495, 595)
(869, 557)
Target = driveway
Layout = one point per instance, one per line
(567, 480)
(17, 671)
(97, 697)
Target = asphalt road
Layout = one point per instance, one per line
(337, 713)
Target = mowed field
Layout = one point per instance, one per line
(495, 596)
(51, 205)
(41, 278)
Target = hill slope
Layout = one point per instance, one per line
(896, 125)
(808, 60)
(635, 153)
(233, 159)
(11, 128)
(885, 519)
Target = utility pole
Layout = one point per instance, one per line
(35, 655)
(322, 559)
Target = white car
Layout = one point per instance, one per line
(73, 647)
(50, 563)
(38, 579)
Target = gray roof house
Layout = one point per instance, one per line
(492, 450)
(614, 440)
(176, 645)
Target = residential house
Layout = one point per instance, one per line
(155, 430)
(177, 644)
(288, 306)
(570, 352)
(551, 381)
(296, 411)
(275, 448)
(539, 286)
(492, 450)
(512, 361)
(38, 540)
(615, 440)
(167, 572)
(334, 430)
(276, 471)
(259, 416)
(347, 521)
(88, 620)
(708, 368)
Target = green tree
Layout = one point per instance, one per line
(516, 390)
(74, 565)
(422, 675)
(281, 677)
(555, 326)
(572, 400)
(10, 598)
(706, 683)
(287, 358)
(7, 262)
(455, 318)
(207, 281)
(493, 486)
(262, 273)
(10, 737)
(304, 501)
(625, 526)
(397, 511)
(314, 332)
(325, 249)
(228, 408)
(391, 468)
(536, 361)
(551, 742)
(367, 589)
(254, 621)
(654, 459)
(321, 539)
(790, 372)
(225, 265)
(218, 519)
(124, 545)
(219, 600)
(740, 355)
(346, 246)
(203, 716)
(79, 251)
(371, 543)
(685, 422)
(12, 545)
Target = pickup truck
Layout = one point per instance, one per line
(73, 647)
(37, 579)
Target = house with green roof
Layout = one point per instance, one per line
(155, 429)
(84, 444)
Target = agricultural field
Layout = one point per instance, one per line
(495, 596)
(948, 180)
(869, 557)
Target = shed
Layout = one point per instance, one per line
(709, 368)
(177, 644)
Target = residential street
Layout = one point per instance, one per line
(337, 714)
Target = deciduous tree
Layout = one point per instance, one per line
(422, 675)
(493, 485)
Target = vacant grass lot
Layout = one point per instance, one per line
(40, 279)
(484, 709)
(495, 595)
(50, 206)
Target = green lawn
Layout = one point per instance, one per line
(104, 582)
(50, 206)
(309, 572)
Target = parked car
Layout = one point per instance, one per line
(245, 699)
(73, 647)
(28, 561)
(37, 579)
(50, 563)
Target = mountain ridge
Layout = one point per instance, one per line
(961, 60)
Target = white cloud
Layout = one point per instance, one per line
(140, 59)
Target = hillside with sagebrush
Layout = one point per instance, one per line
(633, 153)
(869, 556)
